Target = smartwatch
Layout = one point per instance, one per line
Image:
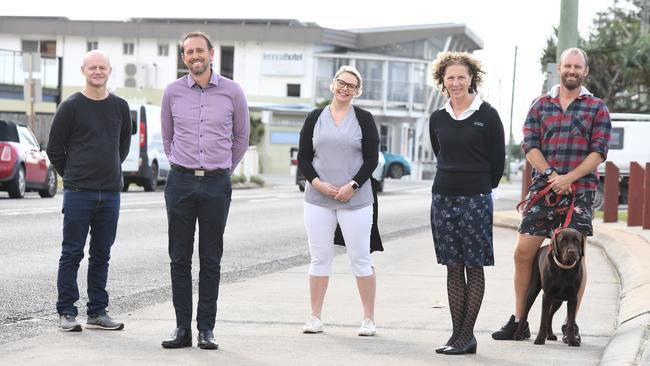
(354, 185)
(547, 173)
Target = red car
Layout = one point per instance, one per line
(24, 166)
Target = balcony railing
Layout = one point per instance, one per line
(11, 70)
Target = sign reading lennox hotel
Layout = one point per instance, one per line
(283, 63)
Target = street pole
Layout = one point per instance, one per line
(31, 91)
(568, 32)
(512, 103)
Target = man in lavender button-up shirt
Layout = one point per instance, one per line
(205, 128)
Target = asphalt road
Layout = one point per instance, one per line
(265, 233)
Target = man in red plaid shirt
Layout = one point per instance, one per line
(566, 136)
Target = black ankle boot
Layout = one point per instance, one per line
(469, 347)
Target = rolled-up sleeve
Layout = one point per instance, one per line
(601, 132)
(532, 128)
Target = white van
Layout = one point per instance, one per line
(146, 164)
(629, 143)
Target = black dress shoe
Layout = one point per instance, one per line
(469, 347)
(442, 348)
(182, 337)
(206, 340)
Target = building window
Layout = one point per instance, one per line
(372, 72)
(227, 61)
(181, 68)
(91, 45)
(293, 90)
(163, 49)
(128, 48)
(45, 48)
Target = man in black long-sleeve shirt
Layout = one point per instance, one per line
(89, 140)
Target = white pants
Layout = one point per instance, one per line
(320, 223)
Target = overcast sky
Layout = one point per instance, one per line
(501, 25)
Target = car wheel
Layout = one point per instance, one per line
(301, 185)
(151, 184)
(380, 186)
(16, 187)
(126, 186)
(50, 189)
(395, 171)
(599, 197)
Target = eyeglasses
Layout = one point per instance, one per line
(351, 87)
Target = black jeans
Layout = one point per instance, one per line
(207, 199)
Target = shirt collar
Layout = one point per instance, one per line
(476, 104)
(555, 91)
(214, 79)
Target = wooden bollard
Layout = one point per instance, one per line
(610, 209)
(646, 198)
(635, 195)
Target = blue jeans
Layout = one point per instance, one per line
(207, 200)
(84, 210)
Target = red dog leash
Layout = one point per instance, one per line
(544, 193)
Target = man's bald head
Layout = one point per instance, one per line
(96, 56)
(96, 68)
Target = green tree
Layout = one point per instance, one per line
(619, 57)
(257, 131)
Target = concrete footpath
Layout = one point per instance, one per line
(260, 319)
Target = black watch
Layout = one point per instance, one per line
(354, 185)
(547, 173)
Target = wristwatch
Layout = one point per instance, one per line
(547, 173)
(354, 185)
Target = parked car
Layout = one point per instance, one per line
(378, 173)
(146, 165)
(24, 166)
(396, 166)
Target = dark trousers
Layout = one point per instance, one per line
(97, 211)
(207, 199)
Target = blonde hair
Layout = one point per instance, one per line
(445, 59)
(351, 70)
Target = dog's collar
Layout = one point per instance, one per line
(564, 266)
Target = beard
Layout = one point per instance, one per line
(198, 70)
(572, 84)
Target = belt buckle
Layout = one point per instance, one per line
(199, 173)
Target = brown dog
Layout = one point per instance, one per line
(558, 271)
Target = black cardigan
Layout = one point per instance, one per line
(369, 145)
(370, 150)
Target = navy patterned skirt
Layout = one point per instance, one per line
(462, 229)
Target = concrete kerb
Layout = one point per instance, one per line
(630, 256)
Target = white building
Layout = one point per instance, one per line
(284, 66)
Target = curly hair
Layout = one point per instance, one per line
(446, 59)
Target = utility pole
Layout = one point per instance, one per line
(568, 32)
(512, 103)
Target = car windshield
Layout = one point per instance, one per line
(8, 131)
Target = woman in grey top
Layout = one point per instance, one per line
(337, 153)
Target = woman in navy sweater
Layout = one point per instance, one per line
(467, 138)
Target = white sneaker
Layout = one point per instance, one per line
(313, 325)
(367, 328)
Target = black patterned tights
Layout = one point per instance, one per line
(465, 300)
